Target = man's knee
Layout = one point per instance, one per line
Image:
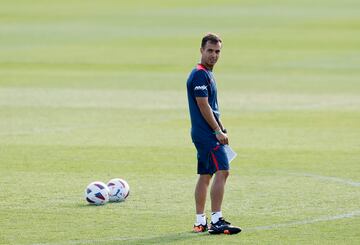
(204, 179)
(223, 173)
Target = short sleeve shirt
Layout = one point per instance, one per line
(201, 83)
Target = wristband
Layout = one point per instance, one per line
(217, 132)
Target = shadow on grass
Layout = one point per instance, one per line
(181, 237)
(156, 239)
(88, 205)
(166, 238)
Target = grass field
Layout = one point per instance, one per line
(92, 90)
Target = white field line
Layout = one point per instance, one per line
(321, 177)
(352, 214)
(250, 229)
(328, 178)
(313, 220)
(305, 222)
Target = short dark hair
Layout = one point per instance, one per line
(210, 37)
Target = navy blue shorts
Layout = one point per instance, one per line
(211, 157)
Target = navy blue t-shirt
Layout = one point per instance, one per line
(201, 83)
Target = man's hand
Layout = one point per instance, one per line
(209, 117)
(222, 138)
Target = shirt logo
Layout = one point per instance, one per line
(203, 87)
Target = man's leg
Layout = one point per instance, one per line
(217, 190)
(200, 199)
(201, 191)
(218, 224)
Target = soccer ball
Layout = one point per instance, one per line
(119, 190)
(97, 193)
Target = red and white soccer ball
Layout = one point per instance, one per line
(119, 190)
(97, 193)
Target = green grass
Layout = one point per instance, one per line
(95, 90)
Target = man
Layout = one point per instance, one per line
(209, 137)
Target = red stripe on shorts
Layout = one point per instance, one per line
(215, 161)
(216, 148)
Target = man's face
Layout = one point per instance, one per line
(210, 54)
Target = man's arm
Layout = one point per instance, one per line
(221, 125)
(207, 113)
